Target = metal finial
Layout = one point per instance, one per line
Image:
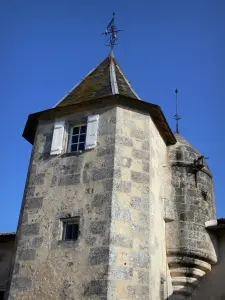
(112, 31)
(177, 117)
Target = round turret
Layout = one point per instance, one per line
(190, 248)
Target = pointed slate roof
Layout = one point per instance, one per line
(105, 80)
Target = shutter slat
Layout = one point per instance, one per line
(58, 137)
(92, 130)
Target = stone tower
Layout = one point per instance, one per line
(115, 204)
(92, 221)
(191, 250)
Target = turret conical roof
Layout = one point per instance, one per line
(105, 80)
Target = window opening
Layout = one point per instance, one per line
(204, 195)
(70, 229)
(77, 138)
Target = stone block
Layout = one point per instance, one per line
(100, 199)
(141, 203)
(103, 151)
(91, 240)
(21, 283)
(27, 254)
(145, 146)
(37, 242)
(123, 186)
(108, 185)
(98, 227)
(99, 255)
(33, 203)
(145, 166)
(139, 134)
(120, 273)
(96, 288)
(140, 259)
(123, 140)
(126, 162)
(122, 214)
(139, 177)
(30, 229)
(30, 191)
(140, 154)
(102, 174)
(143, 277)
(69, 180)
(138, 292)
(37, 179)
(121, 241)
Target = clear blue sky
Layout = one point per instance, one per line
(48, 46)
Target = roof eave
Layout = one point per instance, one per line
(154, 111)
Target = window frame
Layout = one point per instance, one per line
(70, 135)
(68, 221)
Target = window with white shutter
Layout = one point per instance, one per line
(80, 136)
(92, 130)
(58, 138)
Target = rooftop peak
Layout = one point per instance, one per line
(106, 79)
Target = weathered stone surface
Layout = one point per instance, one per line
(21, 283)
(140, 260)
(143, 277)
(37, 242)
(30, 229)
(141, 203)
(120, 273)
(27, 254)
(102, 174)
(139, 134)
(69, 179)
(123, 186)
(33, 203)
(138, 292)
(95, 288)
(37, 179)
(126, 141)
(102, 151)
(98, 255)
(121, 241)
(98, 227)
(139, 154)
(140, 177)
(101, 199)
(126, 162)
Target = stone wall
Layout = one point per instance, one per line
(6, 250)
(117, 190)
(137, 266)
(191, 249)
(212, 286)
(67, 185)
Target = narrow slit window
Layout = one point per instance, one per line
(77, 138)
(204, 195)
(70, 229)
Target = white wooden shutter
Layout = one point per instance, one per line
(92, 130)
(58, 138)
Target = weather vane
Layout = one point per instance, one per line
(112, 31)
(177, 117)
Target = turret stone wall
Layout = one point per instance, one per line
(191, 249)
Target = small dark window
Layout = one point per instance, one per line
(70, 229)
(2, 295)
(204, 195)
